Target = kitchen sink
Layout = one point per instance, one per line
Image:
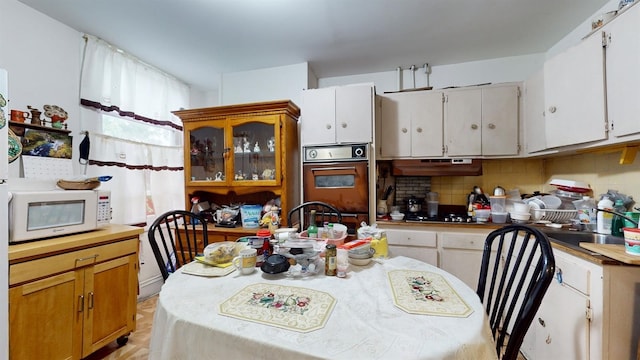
(574, 238)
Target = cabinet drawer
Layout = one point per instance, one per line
(462, 241)
(573, 273)
(30, 270)
(411, 238)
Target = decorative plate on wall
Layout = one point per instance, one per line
(15, 146)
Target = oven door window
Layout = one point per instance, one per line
(335, 181)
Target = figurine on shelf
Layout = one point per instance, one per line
(256, 147)
(246, 145)
(238, 147)
(35, 115)
(219, 176)
(271, 144)
(267, 174)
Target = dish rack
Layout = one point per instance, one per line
(554, 216)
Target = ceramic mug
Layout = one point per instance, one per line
(19, 116)
(245, 262)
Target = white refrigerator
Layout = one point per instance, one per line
(4, 216)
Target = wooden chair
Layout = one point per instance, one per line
(517, 268)
(176, 237)
(299, 215)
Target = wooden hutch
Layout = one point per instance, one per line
(246, 153)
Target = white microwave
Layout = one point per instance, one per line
(35, 215)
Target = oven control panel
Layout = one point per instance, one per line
(352, 152)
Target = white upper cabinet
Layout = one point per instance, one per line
(623, 73)
(411, 124)
(482, 121)
(336, 115)
(534, 133)
(575, 94)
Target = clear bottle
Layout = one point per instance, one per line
(332, 232)
(312, 229)
(618, 222)
(586, 210)
(325, 230)
(604, 218)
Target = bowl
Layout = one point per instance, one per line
(362, 255)
(520, 207)
(632, 241)
(359, 262)
(222, 252)
(482, 215)
(397, 217)
(520, 218)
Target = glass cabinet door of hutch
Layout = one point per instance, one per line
(207, 150)
(255, 155)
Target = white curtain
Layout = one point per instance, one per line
(147, 177)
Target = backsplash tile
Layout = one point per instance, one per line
(601, 171)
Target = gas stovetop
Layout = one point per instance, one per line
(450, 218)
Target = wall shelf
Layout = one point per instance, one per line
(18, 128)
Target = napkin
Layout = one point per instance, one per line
(204, 261)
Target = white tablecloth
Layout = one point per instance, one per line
(364, 324)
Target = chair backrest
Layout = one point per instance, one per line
(299, 215)
(517, 268)
(176, 237)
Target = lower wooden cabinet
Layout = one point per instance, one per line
(68, 305)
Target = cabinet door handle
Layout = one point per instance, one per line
(491, 126)
(552, 109)
(344, 125)
(559, 276)
(80, 260)
(419, 130)
(404, 130)
(541, 322)
(90, 305)
(474, 126)
(328, 126)
(80, 303)
(548, 339)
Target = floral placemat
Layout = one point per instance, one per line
(423, 292)
(288, 307)
(201, 269)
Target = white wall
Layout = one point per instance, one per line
(508, 69)
(277, 83)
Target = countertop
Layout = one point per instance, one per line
(582, 253)
(34, 249)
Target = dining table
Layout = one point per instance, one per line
(391, 308)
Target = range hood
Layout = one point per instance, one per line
(436, 167)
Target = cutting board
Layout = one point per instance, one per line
(613, 251)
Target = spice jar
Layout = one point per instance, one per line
(330, 260)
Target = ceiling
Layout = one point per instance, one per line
(197, 40)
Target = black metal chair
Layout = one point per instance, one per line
(176, 237)
(517, 268)
(299, 215)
